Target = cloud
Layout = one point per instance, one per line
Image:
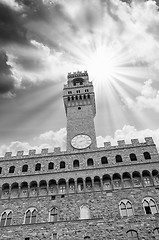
(149, 98)
(11, 4)
(127, 133)
(7, 79)
(48, 140)
(53, 139)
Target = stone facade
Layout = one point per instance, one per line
(107, 193)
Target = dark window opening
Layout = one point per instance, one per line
(76, 164)
(147, 210)
(51, 165)
(118, 158)
(79, 108)
(0, 170)
(133, 157)
(62, 164)
(62, 196)
(90, 162)
(27, 238)
(11, 169)
(147, 155)
(53, 197)
(25, 168)
(38, 167)
(104, 160)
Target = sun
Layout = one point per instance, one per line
(103, 64)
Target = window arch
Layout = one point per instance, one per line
(53, 214)
(62, 164)
(84, 212)
(90, 162)
(126, 209)
(38, 167)
(149, 205)
(147, 155)
(12, 169)
(51, 165)
(30, 216)
(132, 235)
(104, 160)
(118, 158)
(133, 157)
(87, 238)
(25, 168)
(76, 163)
(6, 218)
(156, 233)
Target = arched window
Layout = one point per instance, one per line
(62, 185)
(53, 215)
(51, 165)
(6, 218)
(80, 185)
(0, 170)
(62, 164)
(25, 168)
(38, 167)
(156, 233)
(117, 180)
(12, 169)
(76, 164)
(149, 205)
(87, 238)
(30, 216)
(133, 157)
(90, 162)
(127, 180)
(125, 207)
(147, 178)
(84, 212)
(104, 160)
(118, 158)
(132, 235)
(147, 155)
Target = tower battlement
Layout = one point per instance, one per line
(77, 74)
(57, 150)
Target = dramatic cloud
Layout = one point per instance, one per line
(58, 139)
(48, 140)
(7, 79)
(127, 133)
(149, 98)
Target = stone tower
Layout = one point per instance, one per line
(79, 101)
(85, 192)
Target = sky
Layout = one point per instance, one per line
(116, 41)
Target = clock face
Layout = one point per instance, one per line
(81, 141)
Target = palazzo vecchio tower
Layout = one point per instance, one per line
(85, 192)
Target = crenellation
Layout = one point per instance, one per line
(20, 153)
(149, 140)
(135, 142)
(8, 154)
(121, 143)
(57, 150)
(107, 145)
(77, 74)
(44, 151)
(32, 152)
